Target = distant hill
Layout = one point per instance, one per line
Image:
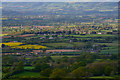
(59, 8)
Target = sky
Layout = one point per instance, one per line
(60, 0)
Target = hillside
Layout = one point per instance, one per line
(59, 8)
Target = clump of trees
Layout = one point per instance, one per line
(81, 66)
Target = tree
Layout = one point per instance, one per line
(77, 65)
(7, 75)
(78, 73)
(101, 68)
(108, 70)
(3, 45)
(5, 69)
(58, 73)
(46, 72)
(41, 66)
(65, 59)
(44, 50)
(19, 67)
(48, 58)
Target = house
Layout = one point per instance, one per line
(51, 38)
(71, 41)
(18, 53)
(94, 45)
(99, 33)
(43, 38)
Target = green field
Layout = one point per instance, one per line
(58, 57)
(57, 44)
(72, 44)
(109, 44)
(29, 74)
(102, 77)
(88, 35)
(93, 35)
(28, 67)
(110, 51)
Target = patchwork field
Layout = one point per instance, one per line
(18, 45)
(12, 44)
(93, 35)
(3, 34)
(30, 47)
(65, 45)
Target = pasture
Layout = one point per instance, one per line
(93, 35)
(65, 45)
(29, 74)
(28, 67)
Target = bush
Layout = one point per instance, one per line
(46, 72)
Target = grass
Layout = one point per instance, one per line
(110, 47)
(109, 44)
(28, 67)
(78, 43)
(99, 59)
(111, 51)
(58, 57)
(93, 35)
(36, 36)
(102, 77)
(88, 35)
(58, 44)
(72, 44)
(29, 74)
(27, 58)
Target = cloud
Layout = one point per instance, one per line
(60, 0)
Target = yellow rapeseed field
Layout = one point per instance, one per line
(3, 34)
(18, 45)
(12, 43)
(30, 47)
